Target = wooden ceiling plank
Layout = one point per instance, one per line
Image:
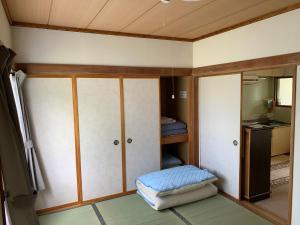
(211, 12)
(178, 20)
(74, 13)
(6, 10)
(31, 11)
(100, 10)
(225, 17)
(164, 14)
(246, 17)
(118, 14)
(49, 14)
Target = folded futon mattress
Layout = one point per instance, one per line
(174, 186)
(159, 203)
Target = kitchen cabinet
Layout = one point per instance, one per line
(256, 166)
(281, 137)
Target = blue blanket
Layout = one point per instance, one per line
(173, 132)
(173, 126)
(170, 160)
(174, 178)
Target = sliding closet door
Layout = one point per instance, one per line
(100, 136)
(219, 128)
(50, 108)
(142, 128)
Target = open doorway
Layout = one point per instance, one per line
(267, 115)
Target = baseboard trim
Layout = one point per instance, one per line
(73, 205)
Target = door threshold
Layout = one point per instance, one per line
(263, 213)
(257, 210)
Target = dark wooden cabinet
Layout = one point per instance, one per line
(257, 161)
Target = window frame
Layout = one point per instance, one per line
(276, 90)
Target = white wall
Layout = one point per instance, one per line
(296, 181)
(274, 36)
(5, 31)
(64, 47)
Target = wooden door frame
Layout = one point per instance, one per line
(279, 61)
(273, 217)
(191, 124)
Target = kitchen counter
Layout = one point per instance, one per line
(257, 125)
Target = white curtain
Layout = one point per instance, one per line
(17, 80)
(7, 215)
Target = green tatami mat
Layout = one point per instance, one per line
(219, 210)
(132, 210)
(79, 216)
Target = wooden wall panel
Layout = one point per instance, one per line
(249, 65)
(50, 108)
(89, 70)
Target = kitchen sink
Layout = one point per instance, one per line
(264, 124)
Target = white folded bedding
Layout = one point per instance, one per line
(159, 203)
(153, 193)
(175, 180)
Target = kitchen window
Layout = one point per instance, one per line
(284, 91)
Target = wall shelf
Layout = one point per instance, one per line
(171, 139)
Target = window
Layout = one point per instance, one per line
(283, 91)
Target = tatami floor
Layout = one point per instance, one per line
(132, 210)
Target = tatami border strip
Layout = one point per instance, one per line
(98, 214)
(183, 219)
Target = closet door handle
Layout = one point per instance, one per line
(129, 140)
(116, 142)
(235, 142)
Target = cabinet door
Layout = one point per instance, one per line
(142, 125)
(50, 109)
(99, 127)
(219, 124)
(281, 137)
